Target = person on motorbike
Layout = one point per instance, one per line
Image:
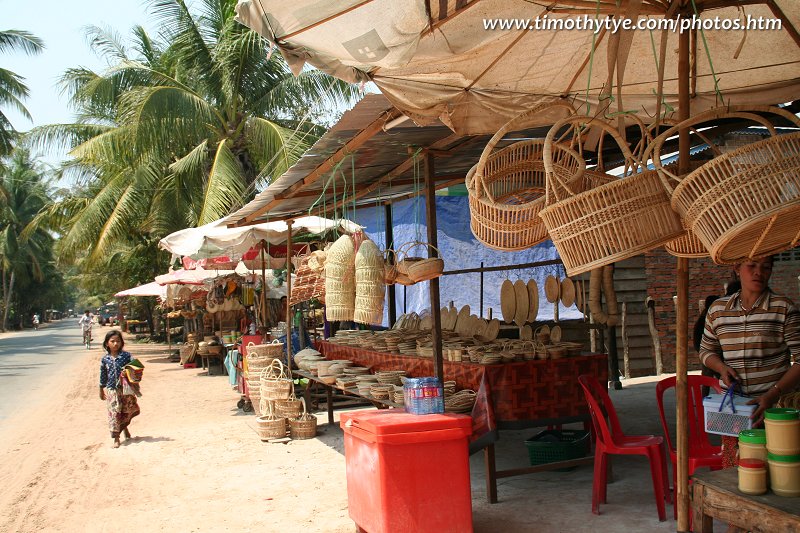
(36, 321)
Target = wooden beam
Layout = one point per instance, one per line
(350, 146)
(433, 285)
(786, 24)
(396, 182)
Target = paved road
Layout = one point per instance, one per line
(29, 360)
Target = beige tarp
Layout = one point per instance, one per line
(434, 59)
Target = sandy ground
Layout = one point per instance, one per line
(196, 464)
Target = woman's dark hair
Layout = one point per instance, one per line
(110, 334)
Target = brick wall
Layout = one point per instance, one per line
(705, 278)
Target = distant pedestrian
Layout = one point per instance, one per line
(121, 407)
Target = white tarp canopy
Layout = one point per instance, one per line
(190, 277)
(217, 238)
(437, 59)
(148, 289)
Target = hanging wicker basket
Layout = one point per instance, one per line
(612, 222)
(370, 288)
(421, 269)
(340, 288)
(744, 203)
(507, 187)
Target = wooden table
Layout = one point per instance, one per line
(716, 495)
(329, 388)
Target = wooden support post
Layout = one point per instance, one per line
(389, 237)
(651, 321)
(288, 298)
(430, 207)
(626, 363)
(682, 315)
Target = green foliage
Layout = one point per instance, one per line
(12, 87)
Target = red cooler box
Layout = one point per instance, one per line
(408, 472)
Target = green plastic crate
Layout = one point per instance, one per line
(552, 445)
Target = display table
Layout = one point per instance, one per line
(716, 495)
(509, 395)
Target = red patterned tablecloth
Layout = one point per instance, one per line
(510, 395)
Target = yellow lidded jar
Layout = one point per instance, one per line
(783, 431)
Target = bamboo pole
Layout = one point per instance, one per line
(682, 312)
(433, 285)
(263, 301)
(288, 298)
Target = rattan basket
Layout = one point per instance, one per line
(609, 223)
(275, 384)
(422, 269)
(744, 203)
(370, 288)
(304, 426)
(270, 426)
(340, 288)
(288, 407)
(507, 188)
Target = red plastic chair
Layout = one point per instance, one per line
(612, 440)
(701, 452)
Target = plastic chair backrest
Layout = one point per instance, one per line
(602, 409)
(699, 443)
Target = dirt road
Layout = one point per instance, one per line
(194, 464)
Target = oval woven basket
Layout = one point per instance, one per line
(340, 289)
(744, 203)
(269, 425)
(275, 385)
(609, 223)
(507, 188)
(303, 426)
(423, 269)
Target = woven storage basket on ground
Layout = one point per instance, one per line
(288, 408)
(609, 223)
(507, 188)
(275, 384)
(270, 426)
(303, 426)
(744, 203)
(370, 288)
(340, 290)
(271, 350)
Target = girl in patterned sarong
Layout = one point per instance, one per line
(121, 407)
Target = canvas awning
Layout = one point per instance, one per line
(439, 60)
(148, 289)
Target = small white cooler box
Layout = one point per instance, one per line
(726, 422)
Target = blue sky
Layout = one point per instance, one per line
(60, 24)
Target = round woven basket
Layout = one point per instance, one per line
(507, 188)
(304, 426)
(340, 290)
(609, 223)
(425, 268)
(744, 203)
(275, 385)
(270, 426)
(288, 408)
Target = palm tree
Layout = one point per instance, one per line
(182, 129)
(12, 88)
(25, 248)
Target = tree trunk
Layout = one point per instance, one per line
(8, 300)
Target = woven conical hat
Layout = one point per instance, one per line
(533, 300)
(551, 289)
(567, 292)
(521, 302)
(508, 305)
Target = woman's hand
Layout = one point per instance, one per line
(728, 375)
(102, 394)
(764, 402)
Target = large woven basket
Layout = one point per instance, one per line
(270, 426)
(340, 289)
(370, 288)
(304, 426)
(609, 223)
(744, 203)
(507, 188)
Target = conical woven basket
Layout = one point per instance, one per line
(370, 288)
(340, 290)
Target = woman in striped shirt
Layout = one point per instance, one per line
(751, 338)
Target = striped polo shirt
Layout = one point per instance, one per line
(759, 344)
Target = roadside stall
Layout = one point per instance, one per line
(439, 67)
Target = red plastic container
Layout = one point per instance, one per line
(408, 472)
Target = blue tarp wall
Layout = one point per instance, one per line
(460, 250)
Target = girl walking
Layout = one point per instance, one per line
(121, 407)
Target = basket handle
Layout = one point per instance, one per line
(410, 245)
(275, 369)
(738, 111)
(553, 181)
(528, 118)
